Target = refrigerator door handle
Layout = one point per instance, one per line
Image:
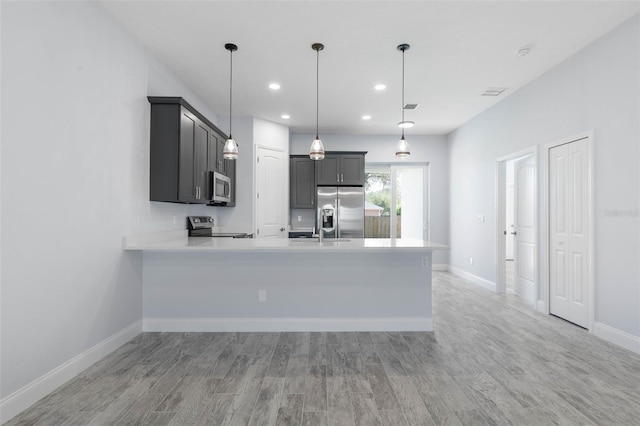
(338, 227)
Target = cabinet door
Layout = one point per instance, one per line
(200, 148)
(328, 170)
(220, 163)
(302, 183)
(187, 186)
(352, 169)
(230, 167)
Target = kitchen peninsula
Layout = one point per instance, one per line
(220, 284)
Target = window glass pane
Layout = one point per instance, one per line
(377, 189)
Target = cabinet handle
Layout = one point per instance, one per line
(338, 177)
(341, 177)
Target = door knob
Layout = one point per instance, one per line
(513, 233)
(281, 229)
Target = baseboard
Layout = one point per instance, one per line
(30, 394)
(287, 324)
(473, 278)
(440, 267)
(541, 306)
(617, 337)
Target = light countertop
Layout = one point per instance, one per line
(181, 243)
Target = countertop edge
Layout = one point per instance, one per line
(184, 244)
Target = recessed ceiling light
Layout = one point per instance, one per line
(285, 116)
(366, 117)
(406, 124)
(494, 91)
(274, 86)
(523, 51)
(380, 87)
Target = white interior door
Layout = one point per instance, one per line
(525, 228)
(569, 238)
(271, 195)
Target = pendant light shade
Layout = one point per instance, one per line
(402, 148)
(230, 150)
(317, 148)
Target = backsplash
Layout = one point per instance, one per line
(302, 218)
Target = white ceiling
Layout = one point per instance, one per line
(458, 49)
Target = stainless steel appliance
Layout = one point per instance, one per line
(220, 188)
(341, 211)
(202, 226)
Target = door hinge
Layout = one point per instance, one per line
(258, 231)
(257, 195)
(257, 159)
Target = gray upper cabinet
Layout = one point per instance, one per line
(302, 182)
(344, 168)
(230, 170)
(185, 148)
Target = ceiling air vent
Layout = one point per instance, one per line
(494, 91)
(411, 106)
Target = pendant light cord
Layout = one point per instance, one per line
(402, 106)
(317, 89)
(230, 90)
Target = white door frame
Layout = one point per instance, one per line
(543, 304)
(501, 207)
(256, 149)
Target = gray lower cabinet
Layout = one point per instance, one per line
(341, 168)
(302, 186)
(185, 149)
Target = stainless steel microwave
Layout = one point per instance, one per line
(221, 188)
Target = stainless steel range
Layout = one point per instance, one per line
(202, 226)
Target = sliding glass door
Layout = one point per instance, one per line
(396, 201)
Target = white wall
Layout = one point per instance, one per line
(248, 133)
(381, 149)
(596, 89)
(75, 178)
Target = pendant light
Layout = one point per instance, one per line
(402, 148)
(230, 150)
(317, 149)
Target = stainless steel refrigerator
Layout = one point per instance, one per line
(341, 211)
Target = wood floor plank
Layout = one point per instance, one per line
(265, 412)
(290, 411)
(383, 393)
(314, 418)
(415, 411)
(296, 374)
(315, 389)
(217, 410)
(365, 412)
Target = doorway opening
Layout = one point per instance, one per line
(396, 201)
(517, 225)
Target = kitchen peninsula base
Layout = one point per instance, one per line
(301, 291)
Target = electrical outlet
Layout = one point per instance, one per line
(424, 262)
(299, 218)
(471, 261)
(262, 296)
(175, 219)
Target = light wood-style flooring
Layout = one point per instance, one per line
(491, 360)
